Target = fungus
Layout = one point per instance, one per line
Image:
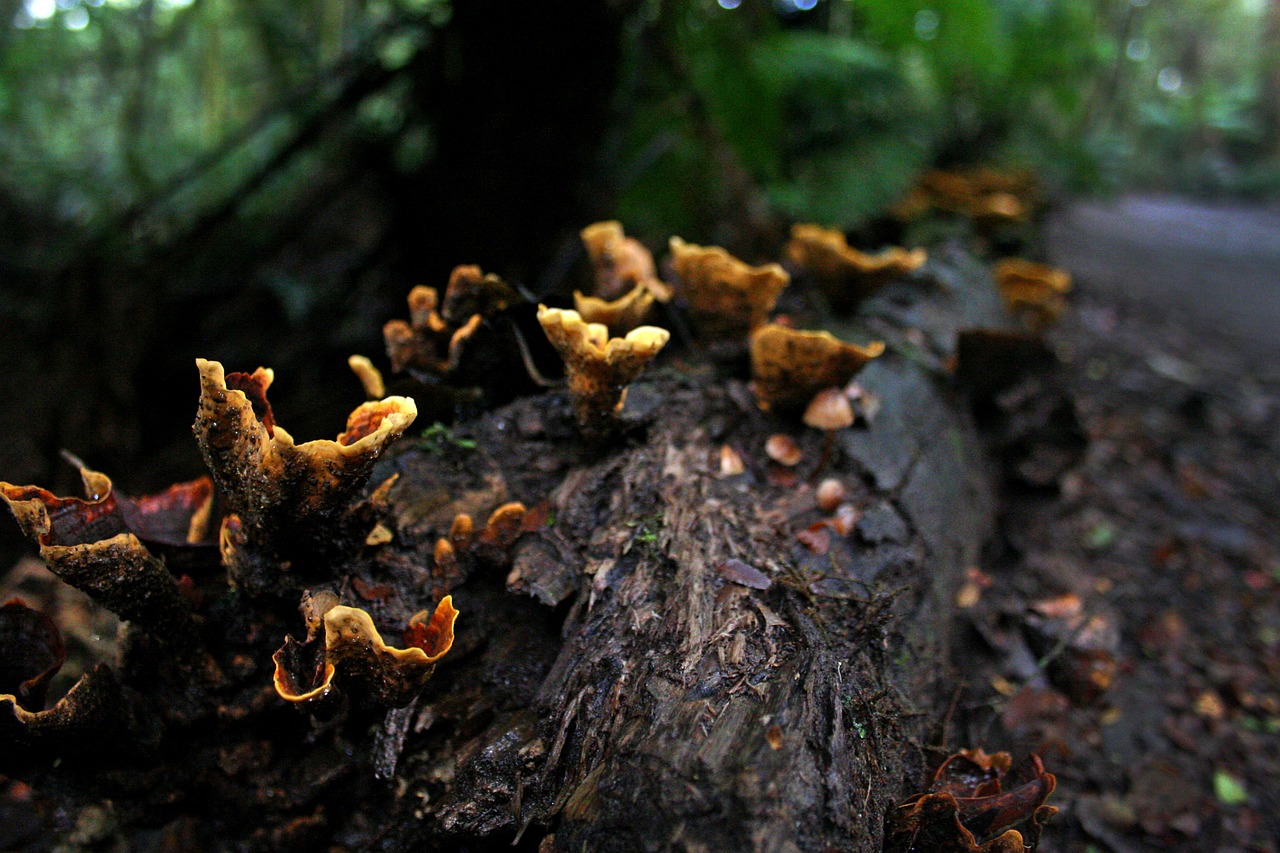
(731, 464)
(89, 544)
(845, 274)
(97, 715)
(599, 368)
(504, 526)
(354, 649)
(788, 366)
(830, 495)
(829, 411)
(727, 297)
(179, 515)
(444, 558)
(461, 531)
(622, 314)
(31, 652)
(370, 377)
(433, 339)
(782, 448)
(1035, 292)
(966, 810)
(267, 479)
(471, 292)
(987, 196)
(621, 263)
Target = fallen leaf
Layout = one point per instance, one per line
(1229, 790)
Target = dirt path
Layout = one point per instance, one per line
(1165, 534)
(1219, 264)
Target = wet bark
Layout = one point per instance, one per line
(640, 692)
(662, 657)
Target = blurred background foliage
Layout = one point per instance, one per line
(263, 180)
(142, 116)
(152, 113)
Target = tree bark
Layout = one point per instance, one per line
(667, 703)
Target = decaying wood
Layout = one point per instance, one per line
(669, 656)
(632, 695)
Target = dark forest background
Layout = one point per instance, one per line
(262, 181)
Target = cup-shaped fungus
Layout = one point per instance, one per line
(1035, 292)
(353, 649)
(96, 715)
(433, 339)
(845, 274)
(987, 196)
(472, 292)
(31, 652)
(966, 802)
(599, 368)
(621, 263)
(788, 367)
(93, 544)
(728, 298)
(620, 316)
(267, 479)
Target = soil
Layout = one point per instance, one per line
(1167, 533)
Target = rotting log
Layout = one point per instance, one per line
(637, 694)
(663, 656)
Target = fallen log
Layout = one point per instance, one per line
(674, 647)
(668, 698)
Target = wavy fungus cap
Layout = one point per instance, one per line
(986, 195)
(727, 297)
(438, 331)
(256, 464)
(355, 651)
(599, 367)
(623, 314)
(845, 274)
(788, 366)
(967, 803)
(93, 544)
(1036, 292)
(620, 263)
(31, 652)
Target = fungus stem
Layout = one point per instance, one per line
(828, 443)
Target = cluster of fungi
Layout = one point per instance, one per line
(201, 570)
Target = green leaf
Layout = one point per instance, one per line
(1100, 535)
(1228, 789)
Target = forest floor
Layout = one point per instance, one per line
(1160, 552)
